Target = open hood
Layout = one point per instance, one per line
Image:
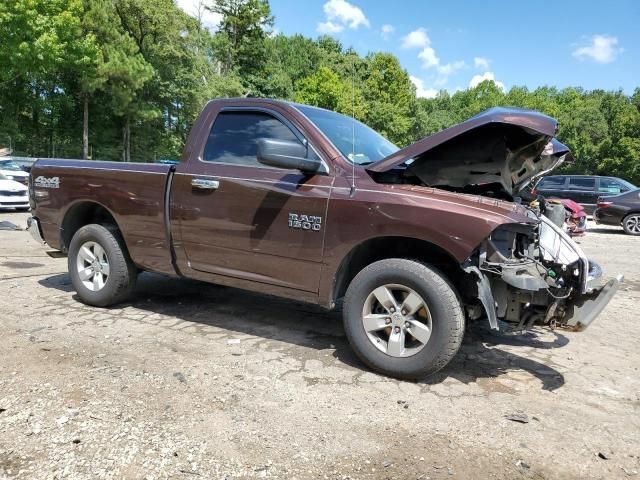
(505, 146)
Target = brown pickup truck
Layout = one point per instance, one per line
(301, 202)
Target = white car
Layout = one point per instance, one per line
(12, 171)
(13, 194)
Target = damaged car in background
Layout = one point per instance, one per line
(304, 203)
(565, 213)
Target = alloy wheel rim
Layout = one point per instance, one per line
(397, 320)
(93, 266)
(633, 224)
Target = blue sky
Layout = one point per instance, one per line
(453, 44)
(447, 44)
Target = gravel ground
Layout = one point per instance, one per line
(190, 380)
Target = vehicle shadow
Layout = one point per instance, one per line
(613, 231)
(480, 357)
(242, 312)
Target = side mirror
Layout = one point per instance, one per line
(286, 154)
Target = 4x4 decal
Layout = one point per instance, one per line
(47, 182)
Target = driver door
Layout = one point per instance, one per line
(241, 219)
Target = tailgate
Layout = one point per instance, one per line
(66, 194)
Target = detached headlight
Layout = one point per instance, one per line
(556, 247)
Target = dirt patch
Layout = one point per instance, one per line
(630, 285)
(189, 380)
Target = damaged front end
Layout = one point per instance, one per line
(528, 271)
(534, 273)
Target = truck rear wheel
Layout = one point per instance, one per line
(403, 318)
(99, 265)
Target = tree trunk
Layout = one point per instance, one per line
(85, 127)
(126, 140)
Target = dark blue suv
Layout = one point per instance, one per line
(583, 189)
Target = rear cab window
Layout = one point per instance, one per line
(234, 136)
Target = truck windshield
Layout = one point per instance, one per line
(357, 142)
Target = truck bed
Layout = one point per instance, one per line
(133, 194)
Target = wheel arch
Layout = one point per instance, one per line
(80, 214)
(380, 248)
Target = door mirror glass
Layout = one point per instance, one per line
(286, 154)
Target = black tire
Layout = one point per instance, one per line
(447, 317)
(122, 272)
(632, 218)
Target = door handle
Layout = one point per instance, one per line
(204, 184)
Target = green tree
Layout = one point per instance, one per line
(42, 43)
(325, 89)
(241, 39)
(135, 73)
(390, 98)
(289, 60)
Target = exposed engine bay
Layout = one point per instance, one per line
(531, 273)
(525, 273)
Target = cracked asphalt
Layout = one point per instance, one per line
(189, 380)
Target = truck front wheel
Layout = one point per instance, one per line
(403, 318)
(99, 265)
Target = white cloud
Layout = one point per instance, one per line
(421, 91)
(341, 14)
(386, 31)
(430, 60)
(481, 62)
(416, 39)
(602, 49)
(478, 79)
(196, 9)
(429, 57)
(329, 27)
(450, 68)
(445, 70)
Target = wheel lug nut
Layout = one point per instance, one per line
(407, 324)
(397, 329)
(392, 309)
(404, 312)
(387, 321)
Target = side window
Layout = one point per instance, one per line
(552, 182)
(609, 185)
(234, 135)
(582, 183)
